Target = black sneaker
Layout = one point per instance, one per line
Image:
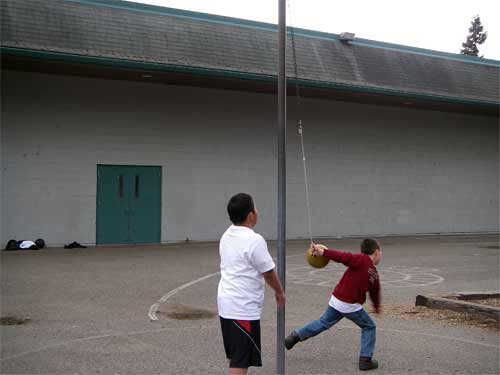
(366, 363)
(291, 340)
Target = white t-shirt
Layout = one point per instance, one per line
(243, 259)
(344, 307)
(26, 244)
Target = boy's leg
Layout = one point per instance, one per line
(237, 371)
(315, 327)
(368, 331)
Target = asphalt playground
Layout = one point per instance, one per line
(105, 310)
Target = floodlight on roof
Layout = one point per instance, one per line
(346, 37)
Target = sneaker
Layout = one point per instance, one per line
(291, 340)
(366, 363)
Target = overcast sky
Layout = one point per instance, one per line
(433, 24)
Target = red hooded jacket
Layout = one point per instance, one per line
(360, 277)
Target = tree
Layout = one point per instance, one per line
(476, 36)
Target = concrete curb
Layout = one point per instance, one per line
(460, 302)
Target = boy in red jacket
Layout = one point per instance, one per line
(348, 297)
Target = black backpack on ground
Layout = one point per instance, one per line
(40, 243)
(11, 245)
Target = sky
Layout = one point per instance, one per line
(440, 25)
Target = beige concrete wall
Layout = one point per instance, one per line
(372, 169)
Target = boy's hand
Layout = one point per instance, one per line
(280, 299)
(316, 250)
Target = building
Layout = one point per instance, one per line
(131, 123)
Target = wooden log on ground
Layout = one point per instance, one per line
(440, 303)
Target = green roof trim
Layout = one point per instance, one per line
(209, 72)
(154, 9)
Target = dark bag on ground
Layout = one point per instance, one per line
(74, 245)
(11, 245)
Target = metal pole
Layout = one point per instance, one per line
(280, 332)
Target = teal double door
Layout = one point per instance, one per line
(128, 204)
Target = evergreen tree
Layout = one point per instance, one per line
(476, 36)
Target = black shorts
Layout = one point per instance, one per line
(241, 342)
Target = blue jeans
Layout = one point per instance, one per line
(332, 316)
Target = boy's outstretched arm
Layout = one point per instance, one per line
(273, 281)
(348, 259)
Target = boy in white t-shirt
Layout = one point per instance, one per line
(245, 266)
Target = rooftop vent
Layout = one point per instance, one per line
(346, 37)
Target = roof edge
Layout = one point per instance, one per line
(155, 9)
(211, 72)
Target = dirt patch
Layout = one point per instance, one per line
(12, 321)
(183, 312)
(446, 317)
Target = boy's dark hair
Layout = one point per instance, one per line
(369, 245)
(238, 208)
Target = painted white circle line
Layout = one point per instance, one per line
(154, 308)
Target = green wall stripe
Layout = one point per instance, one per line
(208, 72)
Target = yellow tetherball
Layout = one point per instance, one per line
(316, 261)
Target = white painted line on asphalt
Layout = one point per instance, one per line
(436, 336)
(465, 341)
(62, 343)
(312, 273)
(154, 308)
(215, 326)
